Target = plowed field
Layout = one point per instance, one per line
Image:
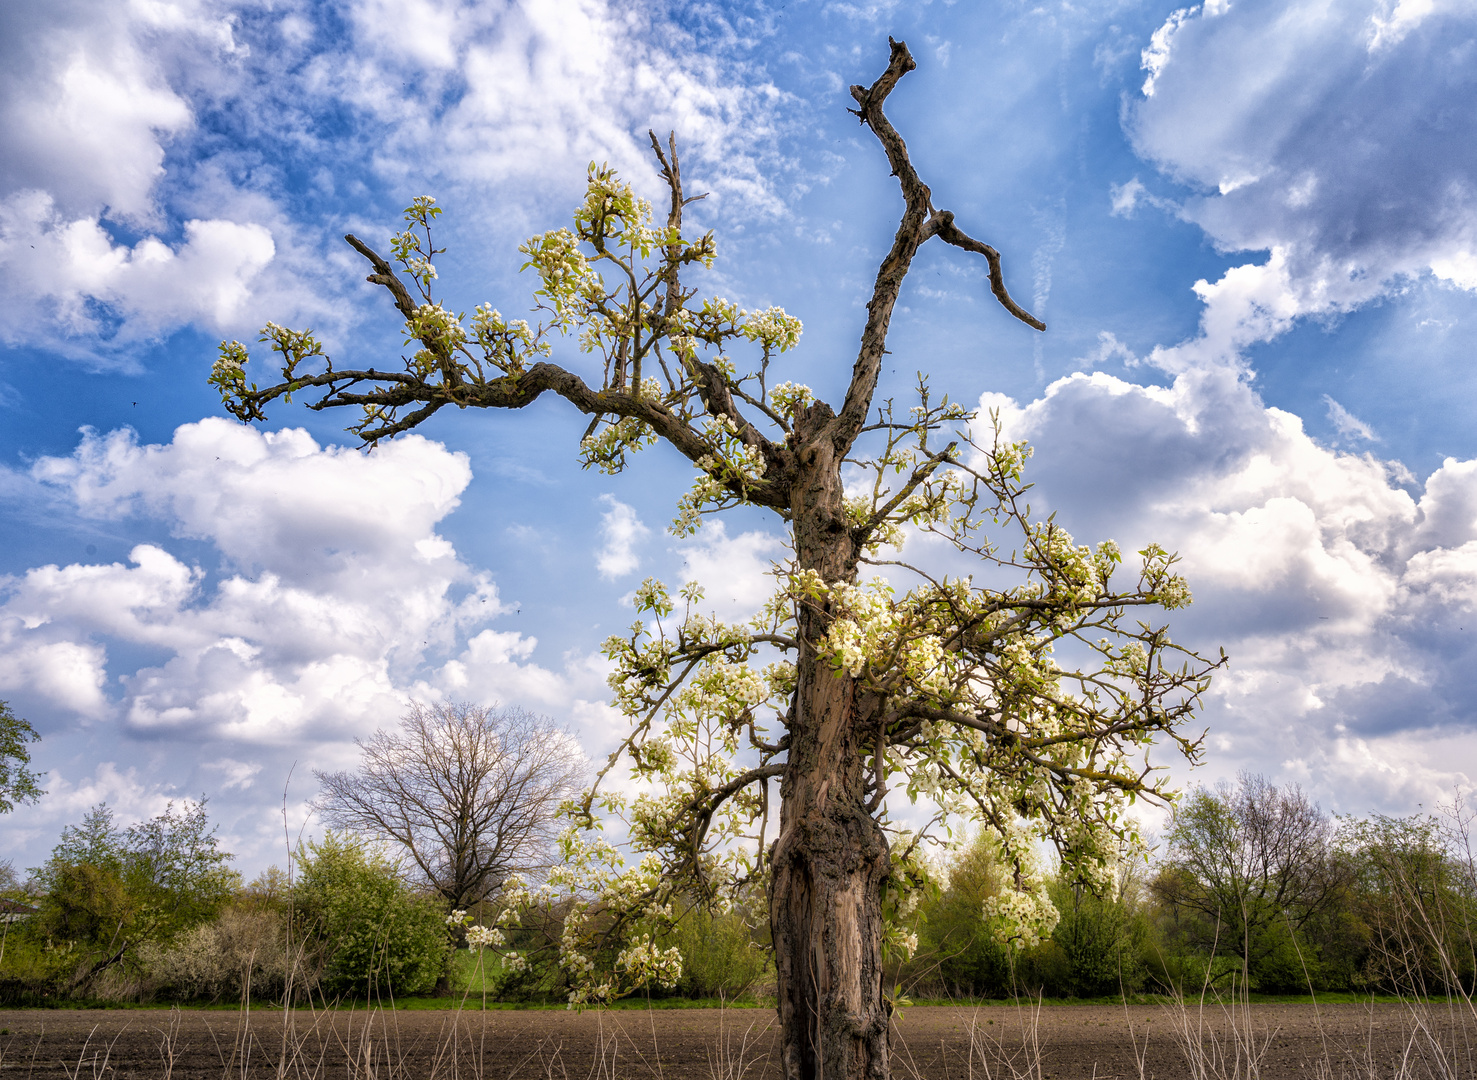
(935, 1043)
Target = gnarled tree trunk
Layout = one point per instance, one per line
(830, 863)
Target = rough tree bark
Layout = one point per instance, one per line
(830, 862)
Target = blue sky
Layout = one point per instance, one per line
(1251, 227)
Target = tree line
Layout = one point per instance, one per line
(451, 815)
(441, 812)
(1253, 886)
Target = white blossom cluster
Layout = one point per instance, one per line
(732, 464)
(226, 374)
(787, 397)
(773, 329)
(608, 447)
(442, 328)
(408, 247)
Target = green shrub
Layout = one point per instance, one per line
(1099, 939)
(1096, 949)
(31, 972)
(377, 936)
(957, 953)
(721, 956)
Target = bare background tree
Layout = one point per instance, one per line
(470, 792)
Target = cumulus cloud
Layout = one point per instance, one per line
(1303, 130)
(493, 93)
(620, 531)
(125, 215)
(122, 217)
(735, 570)
(131, 797)
(1339, 584)
(295, 596)
(543, 89)
(333, 590)
(94, 98)
(71, 275)
(1335, 593)
(87, 105)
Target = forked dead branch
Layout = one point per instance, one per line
(1029, 708)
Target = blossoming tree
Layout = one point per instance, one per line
(1026, 705)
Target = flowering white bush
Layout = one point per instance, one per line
(221, 959)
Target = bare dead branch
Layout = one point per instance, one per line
(919, 223)
(950, 233)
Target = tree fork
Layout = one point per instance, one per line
(831, 861)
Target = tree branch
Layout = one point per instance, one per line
(919, 222)
(848, 422)
(384, 274)
(950, 233)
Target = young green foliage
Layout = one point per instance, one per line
(17, 783)
(379, 939)
(109, 891)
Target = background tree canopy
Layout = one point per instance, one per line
(17, 783)
(379, 939)
(108, 891)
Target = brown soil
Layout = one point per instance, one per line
(932, 1043)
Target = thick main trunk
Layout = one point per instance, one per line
(830, 862)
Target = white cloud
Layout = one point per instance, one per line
(334, 602)
(1347, 424)
(121, 220)
(1332, 590)
(334, 591)
(1125, 197)
(179, 119)
(69, 274)
(620, 531)
(735, 570)
(1109, 348)
(490, 668)
(1341, 597)
(540, 90)
(1156, 55)
(1304, 132)
(235, 774)
(1388, 30)
(69, 673)
(131, 797)
(87, 108)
